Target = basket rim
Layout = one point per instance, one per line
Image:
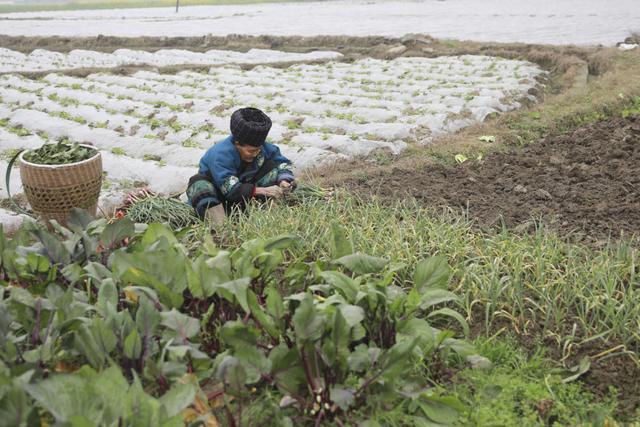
(38, 165)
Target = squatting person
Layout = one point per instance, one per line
(239, 168)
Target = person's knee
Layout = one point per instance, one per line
(215, 215)
(202, 194)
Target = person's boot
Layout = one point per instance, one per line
(215, 215)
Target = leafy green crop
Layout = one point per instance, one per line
(61, 153)
(109, 322)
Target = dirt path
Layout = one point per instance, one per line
(587, 180)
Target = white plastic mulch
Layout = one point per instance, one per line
(153, 128)
(582, 22)
(10, 221)
(44, 60)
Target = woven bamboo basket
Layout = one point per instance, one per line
(53, 190)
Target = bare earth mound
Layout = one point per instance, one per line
(585, 180)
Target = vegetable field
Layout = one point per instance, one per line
(153, 128)
(588, 22)
(460, 247)
(44, 60)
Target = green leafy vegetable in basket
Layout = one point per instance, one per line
(61, 153)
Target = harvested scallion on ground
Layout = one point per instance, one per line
(159, 209)
(61, 153)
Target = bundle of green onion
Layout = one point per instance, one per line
(152, 208)
(306, 192)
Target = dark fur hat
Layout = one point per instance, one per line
(250, 126)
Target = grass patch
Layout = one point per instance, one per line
(526, 391)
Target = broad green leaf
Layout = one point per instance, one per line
(336, 349)
(340, 245)
(53, 247)
(413, 300)
(79, 219)
(281, 242)
(5, 325)
(147, 317)
(260, 316)
(207, 273)
(15, 406)
(447, 312)
(344, 284)
(22, 296)
(65, 396)
(254, 362)
(353, 314)
(432, 272)
(132, 345)
(431, 297)
(363, 264)
(183, 326)
(275, 306)
(67, 234)
(60, 395)
(162, 271)
(155, 232)
(140, 409)
(103, 335)
(442, 410)
(117, 231)
(342, 397)
(282, 357)
(97, 271)
(231, 371)
(418, 328)
(38, 263)
(307, 322)
(179, 397)
(237, 288)
(110, 386)
(392, 359)
(107, 298)
(95, 341)
(198, 283)
(221, 263)
(286, 368)
(443, 336)
(363, 358)
(236, 333)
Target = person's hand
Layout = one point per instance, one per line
(274, 191)
(288, 186)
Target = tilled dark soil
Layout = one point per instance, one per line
(585, 181)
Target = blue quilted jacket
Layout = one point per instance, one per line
(222, 162)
